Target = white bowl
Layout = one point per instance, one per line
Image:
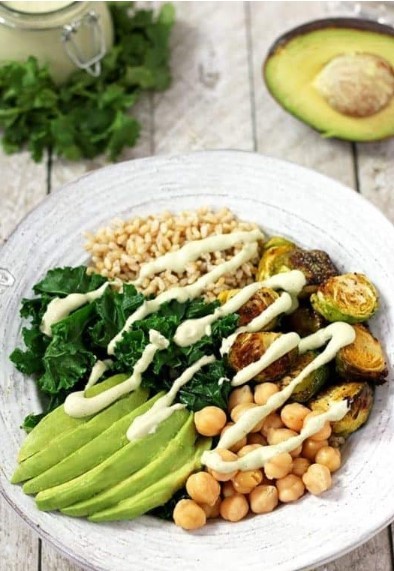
(283, 198)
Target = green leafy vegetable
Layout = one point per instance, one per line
(87, 116)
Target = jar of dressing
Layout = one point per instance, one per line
(65, 35)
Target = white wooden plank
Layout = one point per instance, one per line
(23, 186)
(51, 560)
(375, 554)
(63, 171)
(208, 105)
(278, 133)
(376, 175)
(18, 543)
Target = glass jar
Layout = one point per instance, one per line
(64, 35)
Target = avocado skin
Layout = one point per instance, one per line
(173, 457)
(88, 456)
(156, 494)
(120, 465)
(68, 442)
(58, 422)
(375, 128)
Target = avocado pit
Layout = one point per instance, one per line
(358, 84)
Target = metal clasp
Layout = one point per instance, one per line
(92, 65)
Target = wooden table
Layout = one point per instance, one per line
(217, 100)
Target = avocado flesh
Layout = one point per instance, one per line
(89, 455)
(120, 465)
(68, 442)
(156, 494)
(58, 422)
(177, 453)
(292, 67)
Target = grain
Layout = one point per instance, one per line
(118, 250)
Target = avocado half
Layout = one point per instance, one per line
(336, 75)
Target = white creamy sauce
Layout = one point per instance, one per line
(97, 372)
(192, 330)
(148, 422)
(340, 335)
(78, 405)
(176, 261)
(186, 293)
(37, 7)
(257, 458)
(61, 307)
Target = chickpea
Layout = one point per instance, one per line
(240, 410)
(264, 391)
(330, 457)
(263, 499)
(317, 479)
(234, 508)
(300, 466)
(189, 515)
(248, 448)
(238, 396)
(238, 445)
(293, 415)
(228, 489)
(245, 482)
(277, 435)
(273, 420)
(311, 447)
(210, 420)
(324, 433)
(290, 488)
(227, 456)
(203, 488)
(279, 466)
(256, 438)
(212, 511)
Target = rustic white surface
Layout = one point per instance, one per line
(217, 101)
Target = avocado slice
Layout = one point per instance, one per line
(156, 494)
(122, 464)
(58, 422)
(173, 456)
(68, 442)
(90, 454)
(337, 75)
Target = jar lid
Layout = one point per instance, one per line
(39, 15)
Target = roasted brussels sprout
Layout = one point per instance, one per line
(249, 347)
(350, 297)
(311, 384)
(272, 261)
(363, 359)
(304, 321)
(359, 397)
(275, 241)
(254, 306)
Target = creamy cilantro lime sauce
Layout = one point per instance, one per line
(61, 307)
(78, 405)
(340, 335)
(257, 458)
(163, 408)
(176, 261)
(97, 372)
(186, 293)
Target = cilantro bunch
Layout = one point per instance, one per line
(88, 116)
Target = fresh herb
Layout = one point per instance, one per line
(62, 363)
(88, 116)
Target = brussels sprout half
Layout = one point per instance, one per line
(278, 241)
(311, 384)
(304, 321)
(249, 347)
(272, 261)
(349, 297)
(364, 359)
(262, 299)
(359, 397)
